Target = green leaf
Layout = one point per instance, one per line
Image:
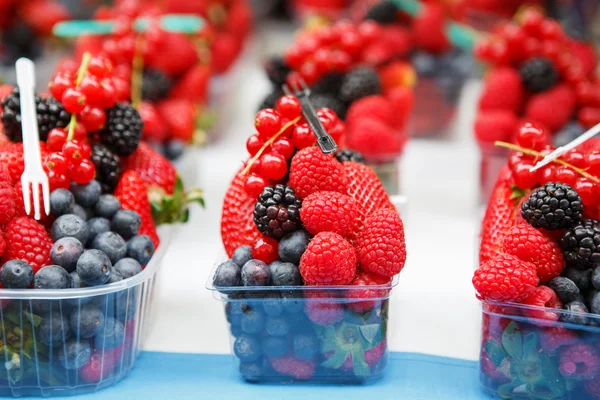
(35, 320)
(505, 391)
(530, 349)
(361, 368)
(369, 332)
(336, 360)
(512, 342)
(541, 392)
(552, 378)
(495, 351)
(328, 340)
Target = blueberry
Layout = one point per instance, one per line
(273, 265)
(112, 335)
(242, 255)
(424, 63)
(65, 252)
(595, 279)
(305, 346)
(86, 321)
(251, 371)
(53, 329)
(247, 348)
(140, 248)
(565, 289)
(293, 245)
(252, 322)
(286, 274)
(256, 273)
(277, 326)
(76, 280)
(174, 149)
(158, 146)
(227, 274)
(568, 133)
(291, 302)
(79, 211)
(128, 267)
(107, 206)
(52, 277)
(115, 276)
(87, 195)
(581, 278)
(236, 330)
(61, 202)
(94, 267)
(111, 244)
(75, 354)
(126, 223)
(234, 310)
(570, 317)
(97, 226)
(16, 274)
(594, 303)
(125, 306)
(275, 346)
(273, 306)
(70, 225)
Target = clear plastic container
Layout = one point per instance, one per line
(54, 342)
(493, 159)
(306, 333)
(435, 107)
(539, 353)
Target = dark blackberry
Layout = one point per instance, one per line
(553, 206)
(384, 12)
(123, 129)
(538, 74)
(581, 244)
(155, 85)
(277, 211)
(349, 155)
(329, 84)
(277, 70)
(50, 115)
(108, 167)
(271, 99)
(327, 101)
(19, 40)
(359, 83)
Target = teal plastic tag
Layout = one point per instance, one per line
(171, 22)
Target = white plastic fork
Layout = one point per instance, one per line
(34, 174)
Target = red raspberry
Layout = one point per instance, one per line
(100, 366)
(28, 240)
(2, 244)
(322, 309)
(531, 245)
(553, 108)
(365, 188)
(428, 29)
(552, 338)
(328, 260)
(505, 278)
(592, 387)
(380, 245)
(579, 361)
(502, 90)
(493, 125)
(490, 369)
(295, 367)
(371, 296)
(545, 298)
(375, 139)
(330, 211)
(312, 171)
(8, 203)
(376, 106)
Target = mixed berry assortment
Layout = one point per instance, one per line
(314, 245)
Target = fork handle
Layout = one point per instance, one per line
(31, 139)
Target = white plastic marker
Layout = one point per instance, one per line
(33, 174)
(593, 131)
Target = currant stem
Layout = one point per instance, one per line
(538, 154)
(137, 74)
(85, 62)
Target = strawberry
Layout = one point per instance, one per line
(295, 367)
(152, 167)
(155, 127)
(375, 106)
(193, 86)
(365, 188)
(494, 125)
(180, 117)
(374, 139)
(553, 108)
(225, 49)
(42, 15)
(502, 90)
(182, 54)
(27, 240)
(403, 101)
(428, 29)
(239, 19)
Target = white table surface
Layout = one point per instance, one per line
(433, 308)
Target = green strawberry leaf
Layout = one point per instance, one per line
(552, 378)
(35, 320)
(530, 349)
(361, 368)
(369, 332)
(336, 360)
(512, 342)
(495, 352)
(328, 338)
(541, 392)
(505, 391)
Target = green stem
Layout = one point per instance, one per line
(85, 62)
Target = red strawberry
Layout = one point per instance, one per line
(428, 29)
(553, 108)
(155, 127)
(502, 90)
(42, 15)
(132, 192)
(27, 240)
(239, 19)
(237, 221)
(375, 140)
(494, 125)
(182, 54)
(370, 297)
(180, 117)
(322, 309)
(225, 49)
(365, 188)
(152, 167)
(376, 106)
(505, 278)
(193, 86)
(295, 367)
(403, 101)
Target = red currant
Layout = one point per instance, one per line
(326, 36)
(588, 116)
(532, 21)
(284, 147)
(265, 249)
(90, 86)
(327, 114)
(532, 47)
(293, 57)
(308, 45)
(83, 172)
(73, 151)
(338, 131)
(255, 167)
(273, 166)
(92, 118)
(100, 67)
(565, 175)
(122, 89)
(587, 190)
(309, 72)
(80, 133)
(254, 144)
(58, 181)
(340, 61)
(289, 107)
(267, 122)
(369, 30)
(74, 100)
(302, 136)
(351, 43)
(108, 93)
(548, 175)
(56, 139)
(593, 162)
(532, 136)
(255, 185)
(57, 162)
(321, 59)
(575, 158)
(60, 84)
(551, 30)
(524, 178)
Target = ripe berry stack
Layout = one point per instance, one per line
(539, 276)
(314, 249)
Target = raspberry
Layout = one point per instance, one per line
(502, 90)
(374, 139)
(553, 108)
(365, 188)
(321, 310)
(27, 240)
(312, 171)
(328, 260)
(377, 107)
(7, 202)
(529, 244)
(505, 278)
(380, 246)
(371, 296)
(493, 125)
(428, 29)
(295, 367)
(579, 361)
(330, 211)
(2, 244)
(554, 337)
(543, 297)
(592, 387)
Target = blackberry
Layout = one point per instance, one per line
(50, 115)
(553, 206)
(349, 155)
(155, 85)
(108, 167)
(277, 211)
(581, 244)
(327, 101)
(277, 70)
(271, 99)
(329, 84)
(383, 13)
(123, 129)
(538, 74)
(359, 83)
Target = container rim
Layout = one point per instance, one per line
(165, 234)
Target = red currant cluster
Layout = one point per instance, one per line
(280, 132)
(70, 159)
